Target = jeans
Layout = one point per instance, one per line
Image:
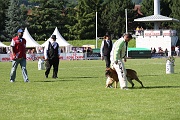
(22, 63)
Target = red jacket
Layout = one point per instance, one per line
(19, 47)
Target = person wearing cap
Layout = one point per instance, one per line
(106, 47)
(18, 56)
(51, 56)
(117, 54)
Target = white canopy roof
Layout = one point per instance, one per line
(2, 45)
(60, 40)
(30, 42)
(155, 18)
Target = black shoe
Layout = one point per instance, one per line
(54, 77)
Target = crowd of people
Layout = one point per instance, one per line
(139, 31)
(175, 51)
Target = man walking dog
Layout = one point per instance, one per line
(117, 54)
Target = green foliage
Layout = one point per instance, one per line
(84, 20)
(113, 16)
(80, 94)
(147, 8)
(44, 18)
(16, 18)
(175, 14)
(76, 19)
(3, 7)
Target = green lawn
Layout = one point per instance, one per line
(79, 43)
(80, 94)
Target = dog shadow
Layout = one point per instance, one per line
(155, 87)
(146, 75)
(58, 80)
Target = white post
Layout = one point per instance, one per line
(126, 21)
(96, 30)
(156, 7)
(156, 12)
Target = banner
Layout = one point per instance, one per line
(152, 33)
(63, 56)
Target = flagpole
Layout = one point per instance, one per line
(126, 21)
(96, 31)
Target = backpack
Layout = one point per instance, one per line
(52, 52)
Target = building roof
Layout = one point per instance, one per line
(138, 8)
(156, 18)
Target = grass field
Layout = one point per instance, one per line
(80, 94)
(79, 43)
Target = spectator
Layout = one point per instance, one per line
(177, 50)
(154, 51)
(160, 50)
(29, 51)
(106, 47)
(166, 52)
(137, 30)
(141, 30)
(33, 52)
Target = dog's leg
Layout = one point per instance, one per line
(137, 79)
(115, 84)
(130, 81)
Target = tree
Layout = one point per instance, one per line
(46, 16)
(3, 7)
(113, 16)
(147, 8)
(84, 18)
(175, 14)
(16, 18)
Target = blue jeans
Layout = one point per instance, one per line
(22, 63)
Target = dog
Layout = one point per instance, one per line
(112, 77)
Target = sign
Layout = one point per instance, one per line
(152, 33)
(166, 33)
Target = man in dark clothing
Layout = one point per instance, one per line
(106, 47)
(51, 55)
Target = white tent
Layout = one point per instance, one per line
(30, 42)
(60, 40)
(3, 45)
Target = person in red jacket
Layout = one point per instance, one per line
(18, 56)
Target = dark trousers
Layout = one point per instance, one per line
(52, 62)
(107, 60)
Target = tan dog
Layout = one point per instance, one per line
(113, 77)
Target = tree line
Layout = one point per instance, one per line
(76, 19)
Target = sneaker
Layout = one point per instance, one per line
(27, 80)
(11, 80)
(124, 88)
